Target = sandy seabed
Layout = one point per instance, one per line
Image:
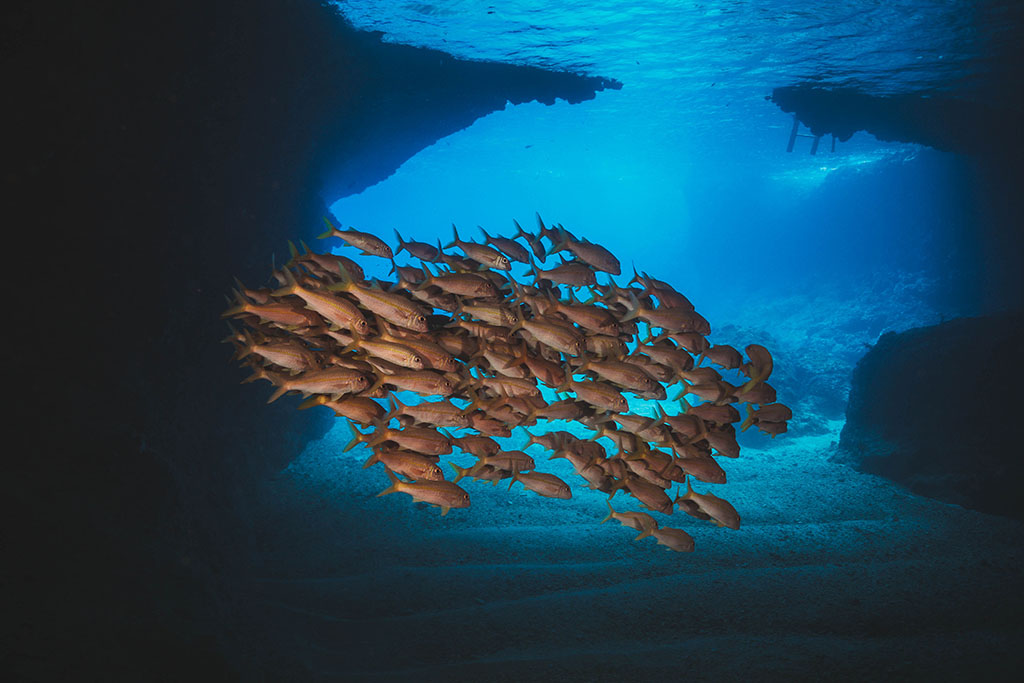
(834, 575)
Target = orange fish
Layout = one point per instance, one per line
(443, 494)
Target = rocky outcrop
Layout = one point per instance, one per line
(937, 409)
(946, 123)
(156, 151)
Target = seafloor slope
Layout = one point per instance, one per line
(834, 574)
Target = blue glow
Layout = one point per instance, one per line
(684, 172)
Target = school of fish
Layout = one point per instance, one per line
(482, 349)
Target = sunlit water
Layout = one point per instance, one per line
(684, 170)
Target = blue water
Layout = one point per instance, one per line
(684, 173)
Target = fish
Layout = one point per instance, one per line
(443, 494)
(359, 409)
(510, 248)
(275, 312)
(651, 495)
(395, 352)
(424, 440)
(592, 254)
(481, 253)
(720, 510)
(334, 382)
(722, 355)
(371, 245)
(640, 521)
(512, 461)
(547, 485)
(759, 366)
(421, 250)
(422, 382)
(437, 413)
(557, 337)
(573, 273)
(461, 284)
(668, 319)
(760, 393)
(325, 263)
(480, 446)
(674, 539)
(598, 394)
(409, 464)
(533, 241)
(773, 412)
(486, 348)
(627, 375)
(290, 354)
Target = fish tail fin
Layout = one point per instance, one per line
(460, 472)
(515, 478)
(560, 239)
(344, 280)
(474, 401)
(756, 377)
(745, 425)
(487, 238)
(401, 242)
(357, 436)
(330, 229)
(644, 534)
(395, 408)
(620, 484)
(278, 393)
(245, 344)
(257, 373)
(636, 277)
(312, 401)
(611, 511)
(633, 310)
(395, 487)
(372, 460)
(519, 230)
(290, 285)
(455, 238)
(543, 230)
(534, 270)
(294, 254)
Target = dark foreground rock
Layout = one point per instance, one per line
(937, 409)
(156, 150)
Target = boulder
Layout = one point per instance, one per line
(937, 409)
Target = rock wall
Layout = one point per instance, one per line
(936, 409)
(156, 150)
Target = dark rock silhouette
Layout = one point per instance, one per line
(950, 124)
(936, 410)
(156, 151)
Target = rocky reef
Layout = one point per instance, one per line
(934, 409)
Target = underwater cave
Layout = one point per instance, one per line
(840, 184)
